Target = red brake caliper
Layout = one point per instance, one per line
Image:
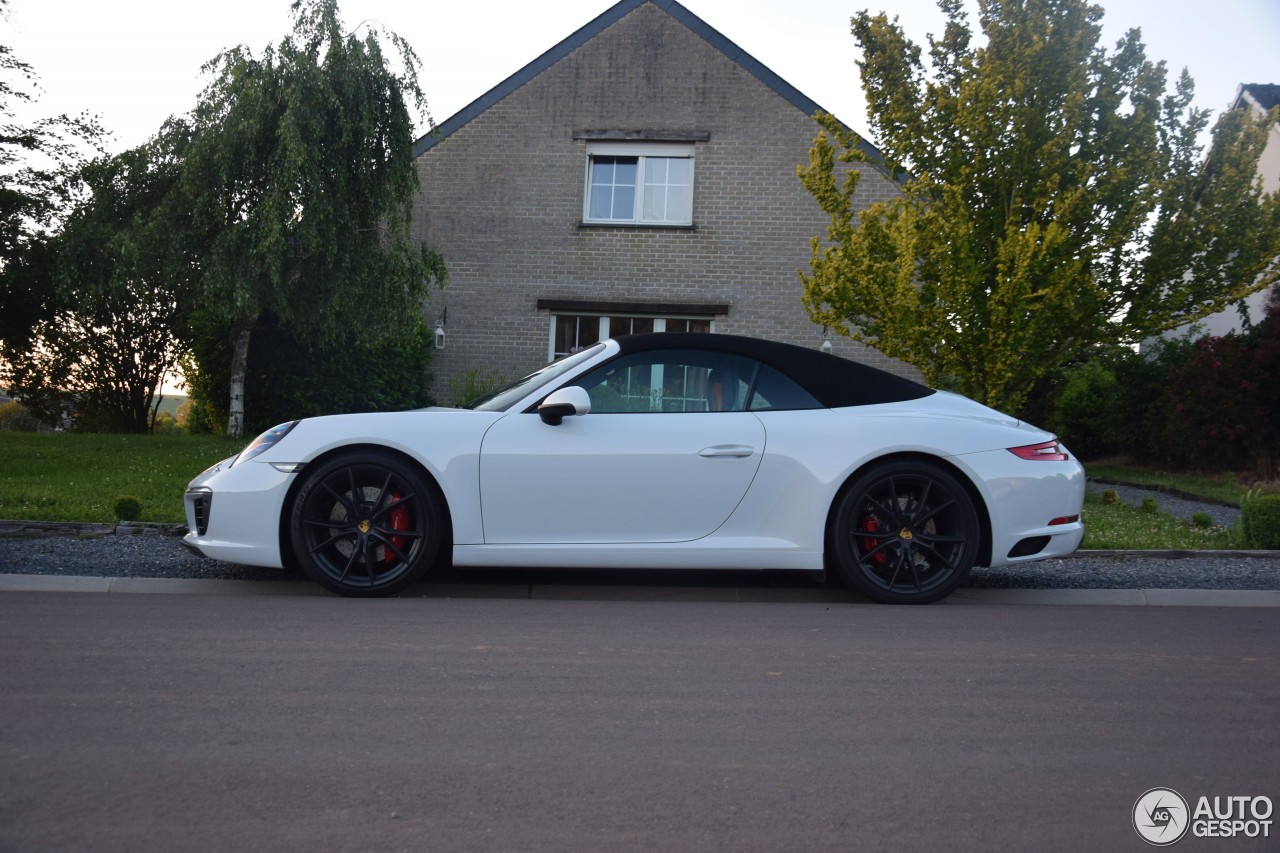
(399, 518)
(870, 525)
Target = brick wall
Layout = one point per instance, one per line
(502, 201)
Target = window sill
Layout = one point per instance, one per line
(635, 226)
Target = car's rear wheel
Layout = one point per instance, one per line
(366, 524)
(905, 533)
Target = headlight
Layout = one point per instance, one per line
(264, 441)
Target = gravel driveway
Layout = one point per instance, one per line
(156, 556)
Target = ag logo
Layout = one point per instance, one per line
(1161, 816)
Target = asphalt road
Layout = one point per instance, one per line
(281, 723)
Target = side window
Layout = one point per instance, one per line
(671, 381)
(775, 392)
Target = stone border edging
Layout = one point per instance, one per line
(10, 529)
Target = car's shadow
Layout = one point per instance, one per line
(652, 584)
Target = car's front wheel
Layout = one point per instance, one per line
(365, 524)
(905, 533)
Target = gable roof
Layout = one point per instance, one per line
(609, 17)
(1265, 95)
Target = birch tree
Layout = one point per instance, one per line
(300, 178)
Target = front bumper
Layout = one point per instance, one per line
(234, 513)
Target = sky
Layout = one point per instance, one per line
(136, 62)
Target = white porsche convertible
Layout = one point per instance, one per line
(665, 451)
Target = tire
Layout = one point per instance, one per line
(366, 524)
(905, 533)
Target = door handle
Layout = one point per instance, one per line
(732, 451)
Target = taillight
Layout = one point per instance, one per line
(1045, 451)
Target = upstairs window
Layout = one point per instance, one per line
(630, 184)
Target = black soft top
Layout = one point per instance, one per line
(833, 381)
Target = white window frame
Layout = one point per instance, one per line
(643, 152)
(659, 325)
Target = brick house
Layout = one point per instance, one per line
(1258, 98)
(640, 175)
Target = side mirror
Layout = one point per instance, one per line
(564, 403)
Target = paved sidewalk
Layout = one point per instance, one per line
(584, 592)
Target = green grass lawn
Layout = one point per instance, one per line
(77, 477)
(1123, 527)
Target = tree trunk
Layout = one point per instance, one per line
(240, 334)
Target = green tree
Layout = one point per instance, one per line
(115, 269)
(38, 160)
(300, 179)
(1053, 197)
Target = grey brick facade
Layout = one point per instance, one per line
(503, 184)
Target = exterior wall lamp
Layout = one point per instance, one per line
(440, 335)
(826, 341)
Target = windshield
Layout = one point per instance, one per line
(503, 398)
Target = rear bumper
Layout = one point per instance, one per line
(1023, 499)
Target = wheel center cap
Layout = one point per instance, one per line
(905, 534)
(364, 526)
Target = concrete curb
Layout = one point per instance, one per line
(1122, 597)
(171, 586)
(1176, 554)
(604, 592)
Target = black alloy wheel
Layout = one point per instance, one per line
(365, 524)
(905, 533)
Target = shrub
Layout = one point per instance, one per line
(1110, 496)
(14, 416)
(1260, 518)
(1113, 403)
(165, 424)
(1084, 412)
(197, 418)
(1202, 520)
(1149, 504)
(1266, 362)
(1201, 403)
(472, 385)
(1215, 420)
(1142, 408)
(290, 377)
(127, 508)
